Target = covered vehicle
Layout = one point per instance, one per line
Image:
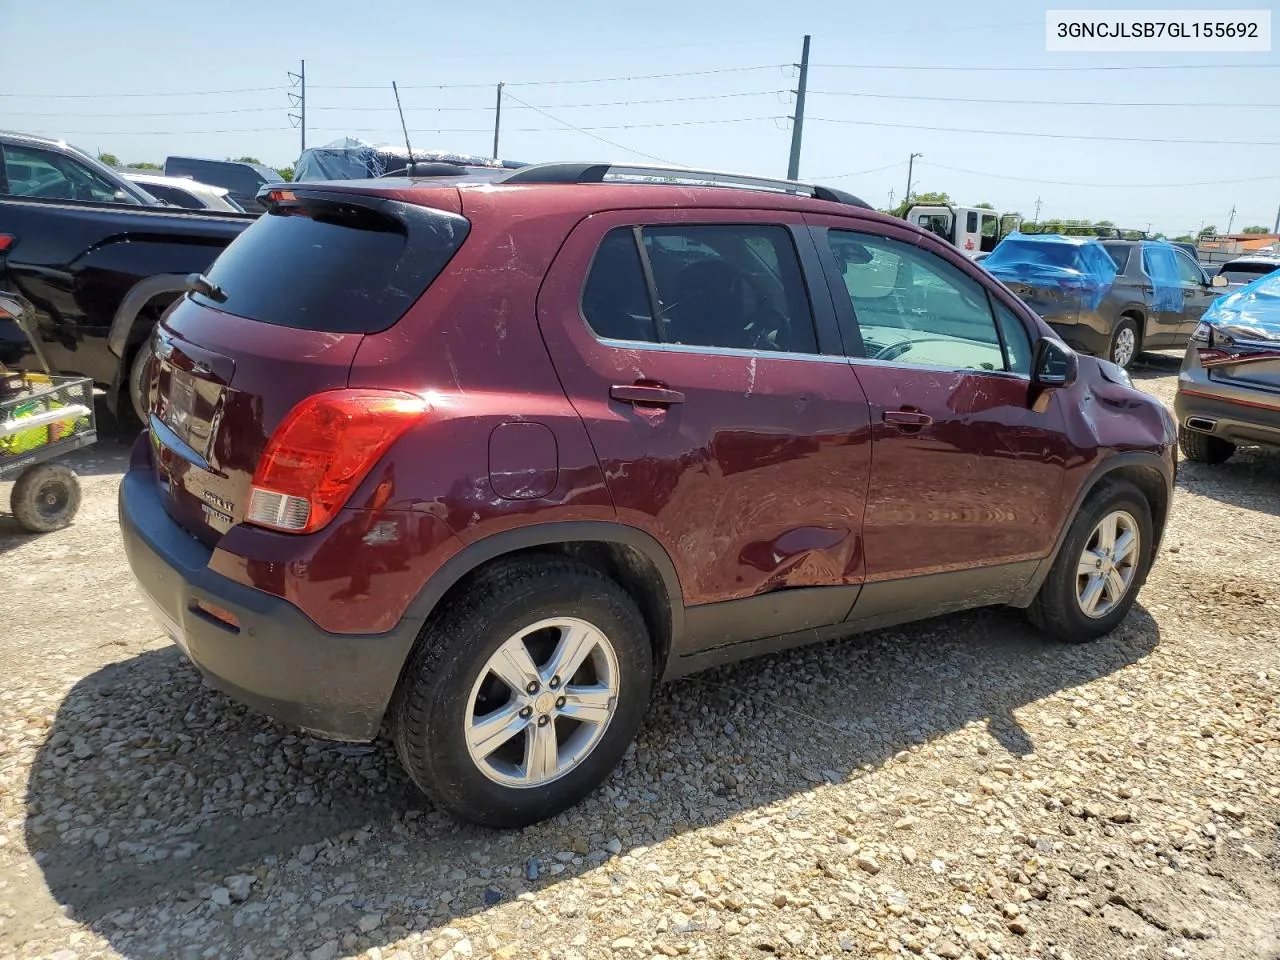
(353, 159)
(1111, 298)
(1229, 386)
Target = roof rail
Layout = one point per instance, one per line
(575, 172)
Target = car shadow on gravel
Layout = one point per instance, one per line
(151, 789)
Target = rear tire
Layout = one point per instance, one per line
(45, 498)
(1204, 448)
(1125, 343)
(138, 384)
(1059, 609)
(452, 692)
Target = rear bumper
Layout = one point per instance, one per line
(1237, 421)
(278, 661)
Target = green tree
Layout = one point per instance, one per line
(1255, 230)
(245, 160)
(920, 200)
(1185, 238)
(984, 206)
(145, 165)
(1209, 231)
(110, 159)
(286, 172)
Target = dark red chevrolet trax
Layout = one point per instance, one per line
(485, 458)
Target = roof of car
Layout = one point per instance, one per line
(1255, 258)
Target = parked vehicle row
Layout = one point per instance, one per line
(602, 431)
(98, 259)
(1112, 298)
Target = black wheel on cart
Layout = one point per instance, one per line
(45, 497)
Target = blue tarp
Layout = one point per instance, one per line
(1078, 266)
(1161, 265)
(1250, 313)
(352, 159)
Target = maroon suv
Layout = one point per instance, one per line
(484, 458)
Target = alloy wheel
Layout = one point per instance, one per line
(542, 702)
(1108, 564)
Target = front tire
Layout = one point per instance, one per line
(1102, 565)
(1204, 448)
(1125, 343)
(45, 498)
(524, 692)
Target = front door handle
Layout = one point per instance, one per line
(645, 394)
(908, 421)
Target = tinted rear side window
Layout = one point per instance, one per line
(335, 266)
(1119, 253)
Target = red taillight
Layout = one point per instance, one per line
(6, 241)
(320, 453)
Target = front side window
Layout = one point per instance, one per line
(42, 174)
(912, 307)
(727, 286)
(1188, 271)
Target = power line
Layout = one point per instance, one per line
(566, 123)
(1127, 66)
(1037, 103)
(1126, 186)
(859, 173)
(612, 126)
(558, 106)
(111, 96)
(547, 83)
(1053, 136)
(176, 113)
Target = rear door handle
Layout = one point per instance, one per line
(645, 394)
(907, 419)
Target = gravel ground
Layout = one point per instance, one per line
(960, 788)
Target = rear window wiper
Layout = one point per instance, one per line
(199, 283)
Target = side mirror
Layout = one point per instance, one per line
(1056, 365)
(1218, 281)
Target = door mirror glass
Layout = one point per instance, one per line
(1218, 281)
(1056, 365)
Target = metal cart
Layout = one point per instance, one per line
(42, 417)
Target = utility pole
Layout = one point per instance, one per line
(891, 198)
(299, 100)
(1037, 217)
(797, 121)
(1231, 219)
(497, 120)
(911, 160)
(1277, 229)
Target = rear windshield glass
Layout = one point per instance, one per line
(1120, 254)
(336, 267)
(1247, 272)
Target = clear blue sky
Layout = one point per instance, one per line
(126, 53)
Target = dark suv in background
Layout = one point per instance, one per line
(240, 179)
(484, 458)
(1108, 298)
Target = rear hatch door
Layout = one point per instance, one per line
(279, 318)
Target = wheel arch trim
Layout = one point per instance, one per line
(494, 546)
(1097, 475)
